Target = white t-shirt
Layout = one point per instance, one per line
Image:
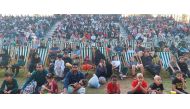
(116, 63)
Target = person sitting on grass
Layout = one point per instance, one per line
(72, 77)
(113, 87)
(184, 67)
(116, 64)
(78, 87)
(173, 67)
(51, 86)
(134, 65)
(101, 70)
(59, 67)
(179, 83)
(156, 87)
(9, 85)
(139, 85)
(16, 66)
(38, 75)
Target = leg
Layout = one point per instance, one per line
(133, 70)
(141, 68)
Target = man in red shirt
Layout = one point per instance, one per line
(113, 87)
(139, 85)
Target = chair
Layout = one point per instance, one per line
(165, 58)
(43, 54)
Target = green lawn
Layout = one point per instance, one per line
(125, 84)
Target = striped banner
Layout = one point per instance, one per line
(43, 54)
(8, 48)
(132, 43)
(127, 56)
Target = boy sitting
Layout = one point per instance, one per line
(78, 87)
(139, 85)
(113, 86)
(51, 86)
(10, 85)
(156, 87)
(179, 83)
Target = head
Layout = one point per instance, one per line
(132, 59)
(140, 77)
(146, 53)
(39, 67)
(173, 59)
(8, 77)
(157, 80)
(179, 75)
(129, 47)
(59, 57)
(49, 77)
(83, 82)
(74, 68)
(114, 58)
(114, 79)
(182, 60)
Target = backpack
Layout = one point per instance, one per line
(30, 88)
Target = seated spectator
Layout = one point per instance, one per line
(130, 50)
(94, 82)
(51, 86)
(148, 64)
(38, 75)
(116, 65)
(139, 85)
(53, 52)
(98, 57)
(173, 67)
(72, 77)
(66, 60)
(59, 67)
(101, 70)
(5, 58)
(184, 67)
(17, 66)
(78, 88)
(113, 86)
(9, 85)
(35, 59)
(134, 65)
(156, 87)
(179, 83)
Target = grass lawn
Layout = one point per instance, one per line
(125, 84)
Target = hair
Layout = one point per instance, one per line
(156, 76)
(75, 64)
(8, 75)
(139, 74)
(178, 72)
(49, 76)
(84, 82)
(40, 64)
(77, 47)
(113, 76)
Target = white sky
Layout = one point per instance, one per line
(46, 7)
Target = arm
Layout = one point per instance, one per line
(66, 82)
(171, 67)
(144, 89)
(178, 66)
(174, 89)
(135, 88)
(29, 80)
(15, 86)
(3, 86)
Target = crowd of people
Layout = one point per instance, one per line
(107, 68)
(21, 29)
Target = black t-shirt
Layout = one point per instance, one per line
(183, 66)
(153, 86)
(178, 83)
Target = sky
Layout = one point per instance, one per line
(48, 7)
